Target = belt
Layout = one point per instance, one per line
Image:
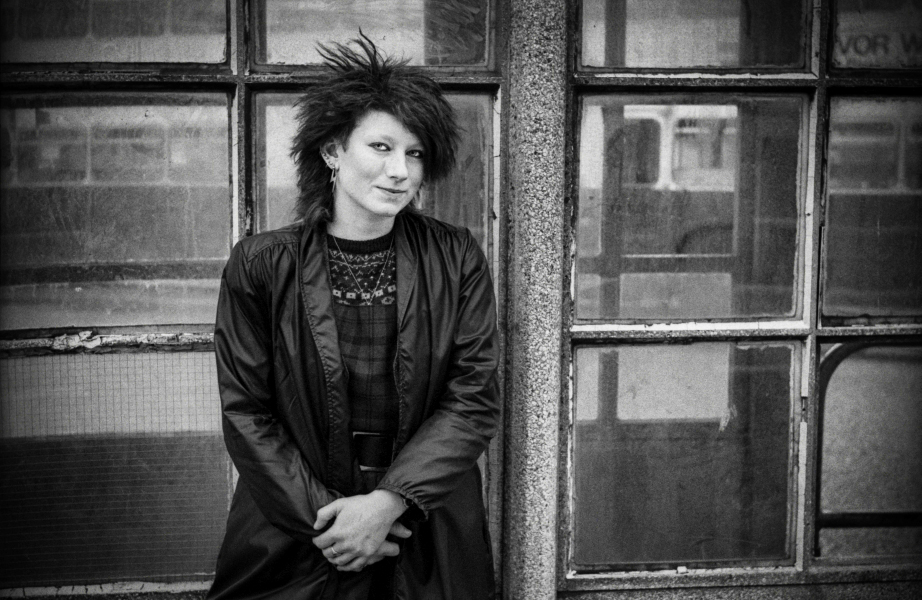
(374, 451)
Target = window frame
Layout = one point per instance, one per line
(818, 82)
(240, 78)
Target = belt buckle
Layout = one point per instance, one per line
(374, 434)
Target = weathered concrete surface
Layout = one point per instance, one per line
(535, 197)
(898, 590)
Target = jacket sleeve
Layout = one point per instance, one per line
(449, 442)
(261, 446)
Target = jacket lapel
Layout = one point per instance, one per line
(407, 264)
(318, 306)
(408, 253)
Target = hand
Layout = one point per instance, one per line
(360, 525)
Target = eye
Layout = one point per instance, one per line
(415, 153)
(379, 146)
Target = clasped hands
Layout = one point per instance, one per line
(361, 523)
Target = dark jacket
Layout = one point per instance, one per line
(286, 413)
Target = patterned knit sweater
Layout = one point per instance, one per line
(363, 275)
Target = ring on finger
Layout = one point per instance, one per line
(333, 550)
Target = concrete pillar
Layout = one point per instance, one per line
(536, 95)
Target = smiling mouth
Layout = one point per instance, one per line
(392, 191)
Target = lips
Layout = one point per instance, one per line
(392, 191)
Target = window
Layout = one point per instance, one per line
(140, 140)
(870, 456)
(874, 212)
(117, 31)
(732, 335)
(115, 213)
(441, 33)
(741, 294)
(115, 209)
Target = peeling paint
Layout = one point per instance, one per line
(88, 341)
(115, 591)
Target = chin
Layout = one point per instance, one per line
(391, 211)
(390, 208)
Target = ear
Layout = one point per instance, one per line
(330, 152)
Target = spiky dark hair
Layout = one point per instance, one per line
(360, 80)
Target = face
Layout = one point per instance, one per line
(380, 170)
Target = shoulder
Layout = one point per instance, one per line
(432, 231)
(268, 242)
(447, 248)
(260, 259)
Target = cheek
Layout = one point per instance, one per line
(416, 175)
(359, 174)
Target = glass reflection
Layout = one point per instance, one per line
(681, 453)
(114, 214)
(877, 33)
(121, 455)
(705, 33)
(872, 429)
(870, 542)
(428, 32)
(874, 213)
(871, 453)
(687, 210)
(463, 199)
(54, 31)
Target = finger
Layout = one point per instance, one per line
(388, 549)
(333, 555)
(400, 530)
(357, 564)
(324, 541)
(341, 559)
(326, 514)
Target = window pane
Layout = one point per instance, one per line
(428, 32)
(688, 210)
(463, 199)
(877, 33)
(873, 232)
(58, 31)
(866, 542)
(115, 210)
(872, 430)
(113, 468)
(681, 454)
(705, 33)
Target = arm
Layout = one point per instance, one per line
(270, 464)
(448, 443)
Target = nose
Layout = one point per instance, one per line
(396, 166)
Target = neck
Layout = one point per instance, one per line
(360, 229)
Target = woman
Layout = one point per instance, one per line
(357, 354)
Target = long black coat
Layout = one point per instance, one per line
(286, 412)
